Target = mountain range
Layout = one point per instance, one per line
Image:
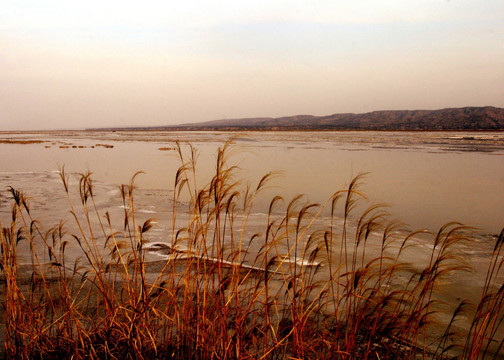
(467, 118)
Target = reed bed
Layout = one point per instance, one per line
(319, 287)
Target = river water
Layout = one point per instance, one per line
(427, 178)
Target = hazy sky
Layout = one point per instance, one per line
(76, 64)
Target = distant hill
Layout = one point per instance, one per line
(467, 118)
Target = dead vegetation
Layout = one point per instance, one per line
(21, 142)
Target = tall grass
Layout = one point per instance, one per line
(319, 287)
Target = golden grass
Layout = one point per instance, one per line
(315, 289)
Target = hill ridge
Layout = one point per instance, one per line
(468, 118)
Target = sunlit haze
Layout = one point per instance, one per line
(79, 64)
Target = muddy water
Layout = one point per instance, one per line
(428, 179)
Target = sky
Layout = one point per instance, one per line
(78, 64)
